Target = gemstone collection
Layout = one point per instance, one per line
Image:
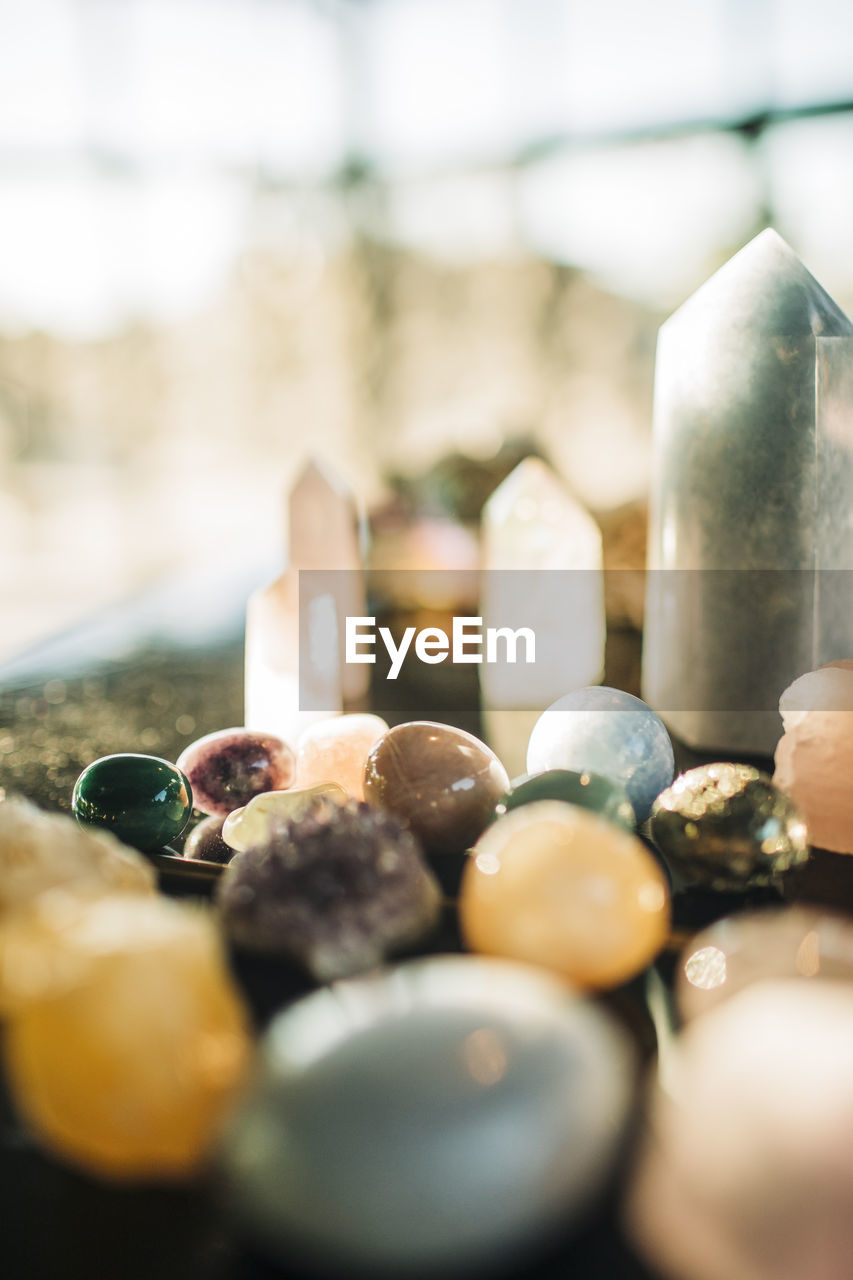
(445, 1113)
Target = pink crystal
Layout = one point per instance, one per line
(814, 757)
(336, 751)
(746, 1168)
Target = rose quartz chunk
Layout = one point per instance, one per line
(745, 1171)
(814, 757)
(336, 750)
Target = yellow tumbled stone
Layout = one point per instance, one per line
(42, 851)
(560, 887)
(125, 1061)
(250, 825)
(336, 750)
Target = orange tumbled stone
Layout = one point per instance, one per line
(126, 1061)
(336, 750)
(560, 887)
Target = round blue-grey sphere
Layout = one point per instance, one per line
(610, 732)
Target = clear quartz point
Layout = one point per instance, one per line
(752, 499)
(531, 524)
(294, 673)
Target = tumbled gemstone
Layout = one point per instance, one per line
(205, 843)
(227, 768)
(561, 887)
(606, 731)
(253, 823)
(42, 851)
(448, 1114)
(442, 781)
(814, 756)
(744, 1165)
(727, 827)
(759, 946)
(125, 1061)
(335, 889)
(335, 750)
(143, 800)
(589, 790)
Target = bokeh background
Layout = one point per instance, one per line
(236, 231)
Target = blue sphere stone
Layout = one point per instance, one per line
(609, 732)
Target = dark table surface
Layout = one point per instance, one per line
(153, 675)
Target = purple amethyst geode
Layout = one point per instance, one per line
(336, 890)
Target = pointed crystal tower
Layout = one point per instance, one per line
(752, 499)
(295, 673)
(543, 570)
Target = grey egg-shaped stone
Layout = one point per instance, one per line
(445, 1113)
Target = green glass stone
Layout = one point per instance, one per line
(727, 827)
(587, 790)
(143, 800)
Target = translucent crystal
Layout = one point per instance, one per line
(43, 851)
(532, 525)
(814, 757)
(125, 1060)
(750, 506)
(336, 750)
(252, 824)
(280, 681)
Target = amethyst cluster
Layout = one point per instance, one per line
(336, 890)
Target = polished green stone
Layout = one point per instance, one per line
(588, 790)
(143, 800)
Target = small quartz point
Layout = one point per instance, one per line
(282, 694)
(753, 466)
(814, 757)
(532, 525)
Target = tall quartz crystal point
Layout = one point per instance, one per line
(295, 673)
(752, 499)
(542, 558)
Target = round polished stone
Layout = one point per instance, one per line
(205, 843)
(447, 1114)
(606, 731)
(442, 781)
(744, 1168)
(336, 889)
(588, 790)
(253, 823)
(761, 946)
(563, 888)
(126, 1060)
(336, 750)
(727, 827)
(227, 768)
(143, 800)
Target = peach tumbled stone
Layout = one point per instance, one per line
(558, 886)
(336, 750)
